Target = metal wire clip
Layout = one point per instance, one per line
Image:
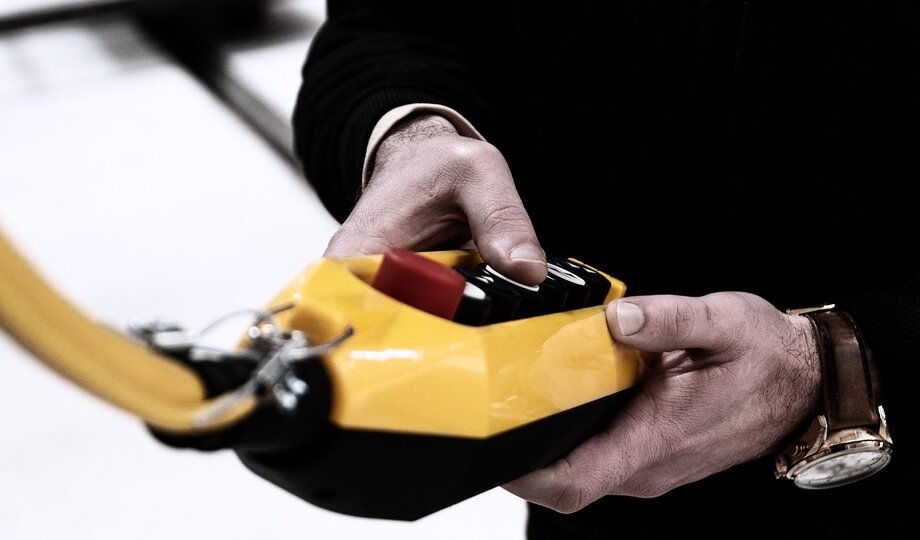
(272, 379)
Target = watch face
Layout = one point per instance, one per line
(843, 467)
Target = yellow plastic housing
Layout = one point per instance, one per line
(408, 371)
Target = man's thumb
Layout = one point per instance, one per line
(664, 323)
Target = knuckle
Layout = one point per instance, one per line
(719, 322)
(508, 216)
(356, 240)
(488, 151)
(682, 320)
(710, 320)
(651, 489)
(462, 163)
(468, 152)
(710, 314)
(573, 491)
(561, 493)
(730, 310)
(571, 498)
(341, 238)
(477, 168)
(454, 163)
(471, 156)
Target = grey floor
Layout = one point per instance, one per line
(139, 195)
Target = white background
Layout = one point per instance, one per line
(139, 195)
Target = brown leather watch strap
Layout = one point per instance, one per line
(849, 389)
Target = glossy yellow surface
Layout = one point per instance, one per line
(162, 392)
(405, 370)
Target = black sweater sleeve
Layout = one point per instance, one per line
(890, 318)
(370, 57)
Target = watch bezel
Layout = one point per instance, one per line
(818, 444)
(879, 447)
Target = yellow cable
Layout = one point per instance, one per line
(160, 391)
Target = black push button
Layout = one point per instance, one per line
(475, 306)
(531, 296)
(577, 288)
(505, 300)
(597, 283)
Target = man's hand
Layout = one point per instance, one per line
(431, 187)
(736, 380)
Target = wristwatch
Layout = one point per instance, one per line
(849, 440)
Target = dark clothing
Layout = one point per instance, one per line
(686, 148)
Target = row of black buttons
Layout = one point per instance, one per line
(490, 297)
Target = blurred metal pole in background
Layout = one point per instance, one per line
(64, 12)
(194, 34)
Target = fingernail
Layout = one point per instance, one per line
(527, 253)
(629, 318)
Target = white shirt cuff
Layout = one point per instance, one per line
(390, 119)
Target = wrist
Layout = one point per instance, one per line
(424, 120)
(805, 364)
(409, 131)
